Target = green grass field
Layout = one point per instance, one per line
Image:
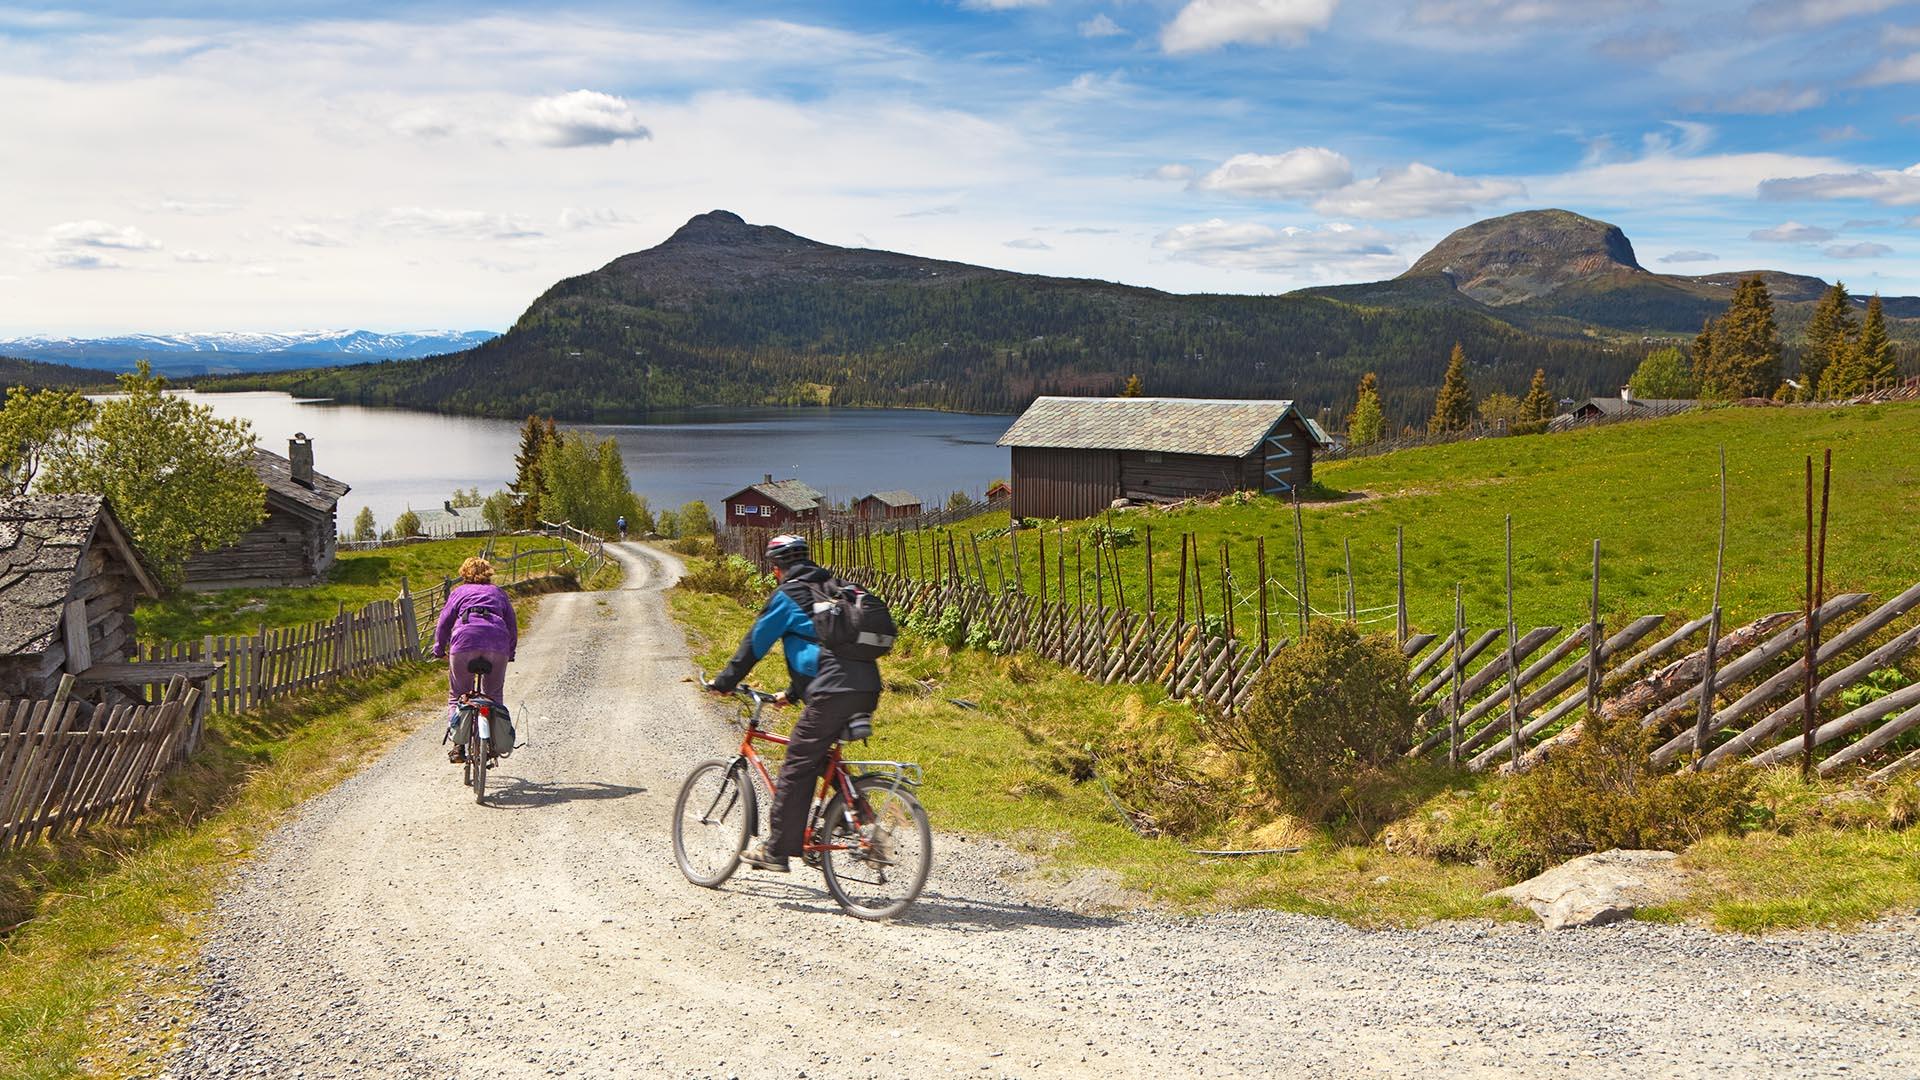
(357, 579)
(1648, 491)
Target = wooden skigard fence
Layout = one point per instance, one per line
(67, 764)
(1477, 707)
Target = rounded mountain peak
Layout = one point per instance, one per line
(1517, 257)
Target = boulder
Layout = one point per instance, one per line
(1600, 888)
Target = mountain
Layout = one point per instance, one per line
(728, 313)
(199, 354)
(1556, 271)
(37, 375)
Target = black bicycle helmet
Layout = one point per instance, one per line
(787, 549)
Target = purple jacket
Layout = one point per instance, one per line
(477, 618)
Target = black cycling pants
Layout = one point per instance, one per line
(808, 745)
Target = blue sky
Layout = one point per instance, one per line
(202, 166)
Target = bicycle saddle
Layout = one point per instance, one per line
(859, 728)
(479, 665)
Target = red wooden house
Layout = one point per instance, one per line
(773, 504)
(885, 505)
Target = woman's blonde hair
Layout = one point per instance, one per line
(477, 570)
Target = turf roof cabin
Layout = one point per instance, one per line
(1073, 457)
(294, 544)
(883, 505)
(773, 504)
(69, 580)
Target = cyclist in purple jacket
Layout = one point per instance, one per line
(477, 622)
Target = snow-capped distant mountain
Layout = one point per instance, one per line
(240, 351)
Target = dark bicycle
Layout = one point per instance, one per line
(869, 836)
(472, 733)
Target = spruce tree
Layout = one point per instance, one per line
(1538, 406)
(1367, 423)
(1830, 336)
(1875, 349)
(1702, 355)
(1746, 346)
(1369, 384)
(1133, 387)
(527, 485)
(1453, 406)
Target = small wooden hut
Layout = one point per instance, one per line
(886, 505)
(773, 504)
(294, 544)
(69, 581)
(1074, 457)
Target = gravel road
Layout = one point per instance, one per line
(399, 930)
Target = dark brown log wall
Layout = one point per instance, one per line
(1064, 483)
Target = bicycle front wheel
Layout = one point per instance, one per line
(710, 820)
(877, 863)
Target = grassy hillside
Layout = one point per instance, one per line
(1647, 491)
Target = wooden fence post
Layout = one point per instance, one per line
(1152, 614)
(1513, 660)
(1459, 636)
(1816, 585)
(1595, 638)
(1400, 571)
(1300, 563)
(1713, 629)
(1260, 567)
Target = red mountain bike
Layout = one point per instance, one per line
(866, 831)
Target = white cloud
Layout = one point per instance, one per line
(1100, 26)
(1336, 252)
(1792, 232)
(573, 219)
(1169, 171)
(1089, 86)
(1689, 257)
(1888, 187)
(1767, 100)
(1302, 172)
(579, 118)
(1664, 177)
(458, 224)
(1782, 14)
(1028, 243)
(191, 255)
(1417, 191)
(203, 207)
(1479, 14)
(99, 234)
(1000, 5)
(68, 259)
(1856, 251)
(312, 235)
(1211, 24)
(428, 122)
(1892, 70)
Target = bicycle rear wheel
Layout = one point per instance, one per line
(881, 861)
(477, 761)
(710, 820)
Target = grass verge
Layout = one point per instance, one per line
(1012, 750)
(97, 977)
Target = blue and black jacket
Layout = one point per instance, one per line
(814, 671)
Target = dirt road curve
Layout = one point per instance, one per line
(399, 930)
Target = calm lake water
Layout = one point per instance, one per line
(394, 458)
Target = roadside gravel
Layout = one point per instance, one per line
(398, 930)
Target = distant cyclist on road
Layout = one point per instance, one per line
(622, 523)
(833, 688)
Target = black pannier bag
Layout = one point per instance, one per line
(499, 728)
(851, 622)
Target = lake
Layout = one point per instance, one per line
(395, 458)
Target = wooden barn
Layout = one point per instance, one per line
(999, 491)
(885, 505)
(773, 504)
(69, 580)
(1073, 457)
(294, 545)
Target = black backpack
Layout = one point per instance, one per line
(851, 622)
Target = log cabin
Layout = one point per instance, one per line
(1075, 457)
(773, 504)
(295, 543)
(886, 505)
(69, 581)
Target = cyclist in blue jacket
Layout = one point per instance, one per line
(834, 689)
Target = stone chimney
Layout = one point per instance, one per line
(300, 454)
(766, 478)
(1626, 393)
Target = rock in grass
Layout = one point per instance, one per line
(1600, 888)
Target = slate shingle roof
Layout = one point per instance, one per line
(1213, 426)
(896, 498)
(42, 538)
(276, 473)
(795, 495)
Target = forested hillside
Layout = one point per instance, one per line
(727, 313)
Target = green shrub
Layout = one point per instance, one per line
(1602, 792)
(693, 545)
(1323, 721)
(732, 577)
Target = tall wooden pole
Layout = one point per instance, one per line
(1700, 732)
(1353, 604)
(1180, 613)
(1260, 567)
(1079, 573)
(1300, 563)
(1152, 614)
(1459, 636)
(1199, 584)
(1400, 571)
(1594, 640)
(1513, 659)
(1226, 587)
(1816, 586)
(1042, 534)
